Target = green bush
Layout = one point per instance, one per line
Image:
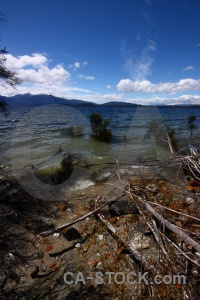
(99, 127)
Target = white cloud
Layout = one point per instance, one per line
(113, 97)
(139, 68)
(85, 77)
(188, 68)
(62, 91)
(40, 73)
(101, 98)
(16, 63)
(78, 65)
(155, 100)
(108, 87)
(127, 86)
(44, 75)
(75, 66)
(37, 77)
(182, 100)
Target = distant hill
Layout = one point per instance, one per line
(42, 99)
(118, 103)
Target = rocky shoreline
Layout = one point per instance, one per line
(34, 266)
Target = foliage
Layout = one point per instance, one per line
(191, 126)
(6, 76)
(99, 127)
(4, 107)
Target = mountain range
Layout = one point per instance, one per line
(43, 99)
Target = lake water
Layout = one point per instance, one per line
(32, 135)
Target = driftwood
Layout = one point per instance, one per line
(173, 228)
(166, 223)
(182, 252)
(59, 228)
(158, 238)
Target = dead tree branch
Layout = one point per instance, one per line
(59, 228)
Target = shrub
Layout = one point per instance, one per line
(99, 127)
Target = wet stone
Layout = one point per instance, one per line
(142, 227)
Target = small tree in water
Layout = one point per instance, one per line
(4, 107)
(99, 127)
(191, 127)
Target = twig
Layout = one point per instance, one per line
(174, 211)
(183, 253)
(59, 228)
(156, 233)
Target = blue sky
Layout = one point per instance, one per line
(140, 51)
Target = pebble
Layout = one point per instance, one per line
(78, 245)
(56, 235)
(100, 237)
(99, 264)
(152, 187)
(11, 256)
(85, 247)
(195, 273)
(139, 246)
(47, 221)
(189, 200)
